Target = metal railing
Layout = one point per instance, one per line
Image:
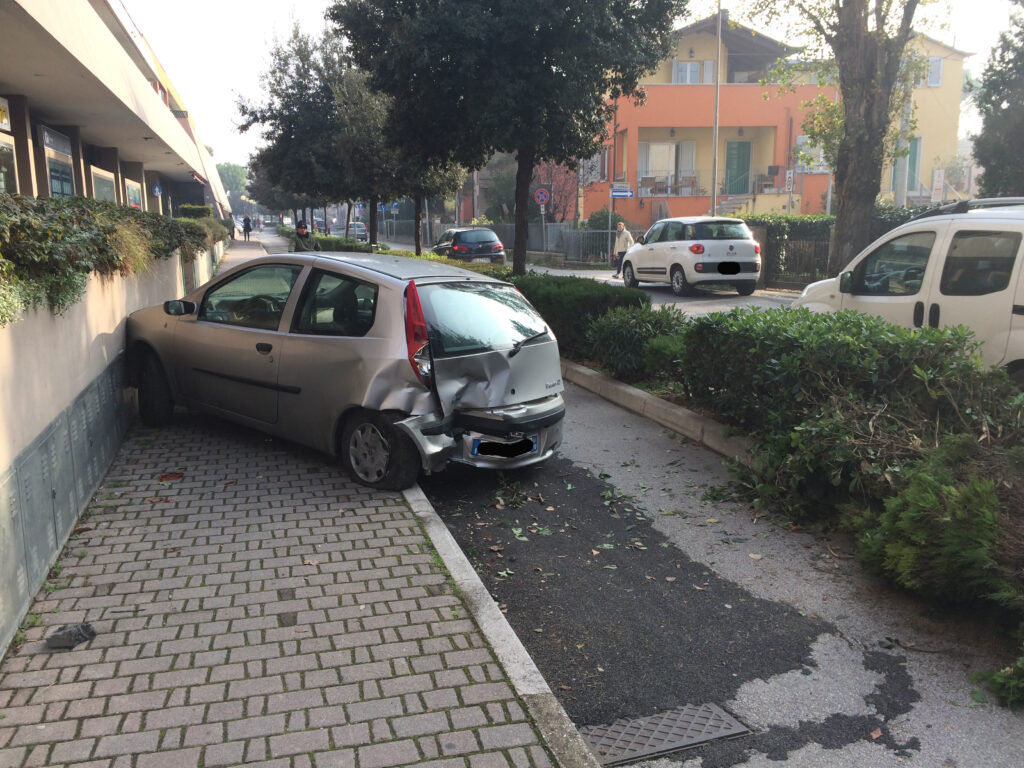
(697, 182)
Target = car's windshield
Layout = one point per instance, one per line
(468, 318)
(478, 236)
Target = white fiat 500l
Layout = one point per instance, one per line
(955, 265)
(686, 252)
(394, 365)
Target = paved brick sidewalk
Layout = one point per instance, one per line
(254, 607)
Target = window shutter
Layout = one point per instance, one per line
(709, 71)
(934, 71)
(643, 158)
(676, 75)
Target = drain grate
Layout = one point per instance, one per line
(627, 740)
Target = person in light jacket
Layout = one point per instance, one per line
(623, 240)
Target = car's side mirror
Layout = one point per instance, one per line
(640, 239)
(846, 282)
(179, 307)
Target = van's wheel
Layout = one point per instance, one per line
(156, 404)
(629, 276)
(746, 288)
(375, 453)
(680, 286)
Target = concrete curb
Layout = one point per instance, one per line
(699, 429)
(558, 732)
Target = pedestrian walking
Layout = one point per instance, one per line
(623, 240)
(246, 228)
(303, 240)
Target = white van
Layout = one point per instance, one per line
(959, 264)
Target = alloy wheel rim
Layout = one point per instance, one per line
(369, 452)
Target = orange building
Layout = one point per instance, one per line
(662, 150)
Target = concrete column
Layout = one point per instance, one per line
(153, 203)
(24, 145)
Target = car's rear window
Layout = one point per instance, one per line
(722, 230)
(478, 236)
(469, 318)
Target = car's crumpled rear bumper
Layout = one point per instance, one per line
(506, 437)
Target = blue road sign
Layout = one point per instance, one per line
(622, 193)
(394, 207)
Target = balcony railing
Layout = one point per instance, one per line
(697, 182)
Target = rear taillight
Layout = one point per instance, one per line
(697, 248)
(757, 247)
(498, 247)
(416, 339)
(458, 248)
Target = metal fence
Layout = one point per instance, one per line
(796, 263)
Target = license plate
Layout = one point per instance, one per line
(482, 447)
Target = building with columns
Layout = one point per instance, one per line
(86, 109)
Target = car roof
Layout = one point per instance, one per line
(402, 268)
(699, 219)
(471, 229)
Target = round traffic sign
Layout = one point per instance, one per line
(541, 196)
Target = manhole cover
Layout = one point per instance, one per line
(627, 740)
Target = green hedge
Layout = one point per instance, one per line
(188, 211)
(570, 304)
(49, 246)
(619, 337)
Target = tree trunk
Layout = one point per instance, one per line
(417, 224)
(524, 175)
(374, 199)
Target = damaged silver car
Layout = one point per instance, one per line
(394, 365)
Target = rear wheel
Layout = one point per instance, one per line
(746, 288)
(375, 453)
(628, 276)
(680, 286)
(156, 404)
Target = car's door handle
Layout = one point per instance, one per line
(918, 314)
(933, 316)
(263, 348)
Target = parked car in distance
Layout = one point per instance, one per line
(690, 251)
(471, 244)
(356, 230)
(958, 264)
(394, 365)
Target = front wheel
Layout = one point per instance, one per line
(156, 404)
(629, 276)
(375, 453)
(746, 288)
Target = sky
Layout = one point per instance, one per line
(238, 35)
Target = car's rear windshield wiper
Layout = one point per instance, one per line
(519, 344)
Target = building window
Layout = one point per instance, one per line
(133, 194)
(61, 174)
(8, 168)
(934, 71)
(687, 73)
(103, 185)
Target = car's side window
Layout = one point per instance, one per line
(656, 233)
(335, 305)
(895, 268)
(979, 263)
(673, 231)
(253, 299)
(689, 232)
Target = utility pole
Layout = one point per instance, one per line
(714, 131)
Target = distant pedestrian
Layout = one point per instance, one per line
(623, 240)
(303, 240)
(246, 228)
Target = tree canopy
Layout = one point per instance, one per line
(999, 97)
(867, 39)
(473, 77)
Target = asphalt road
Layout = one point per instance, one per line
(634, 594)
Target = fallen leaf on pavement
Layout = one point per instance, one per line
(670, 578)
(311, 562)
(169, 476)
(712, 519)
(754, 557)
(549, 509)
(876, 734)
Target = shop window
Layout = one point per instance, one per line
(103, 186)
(133, 194)
(8, 168)
(62, 178)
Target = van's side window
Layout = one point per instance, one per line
(895, 268)
(979, 263)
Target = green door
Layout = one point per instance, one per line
(737, 167)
